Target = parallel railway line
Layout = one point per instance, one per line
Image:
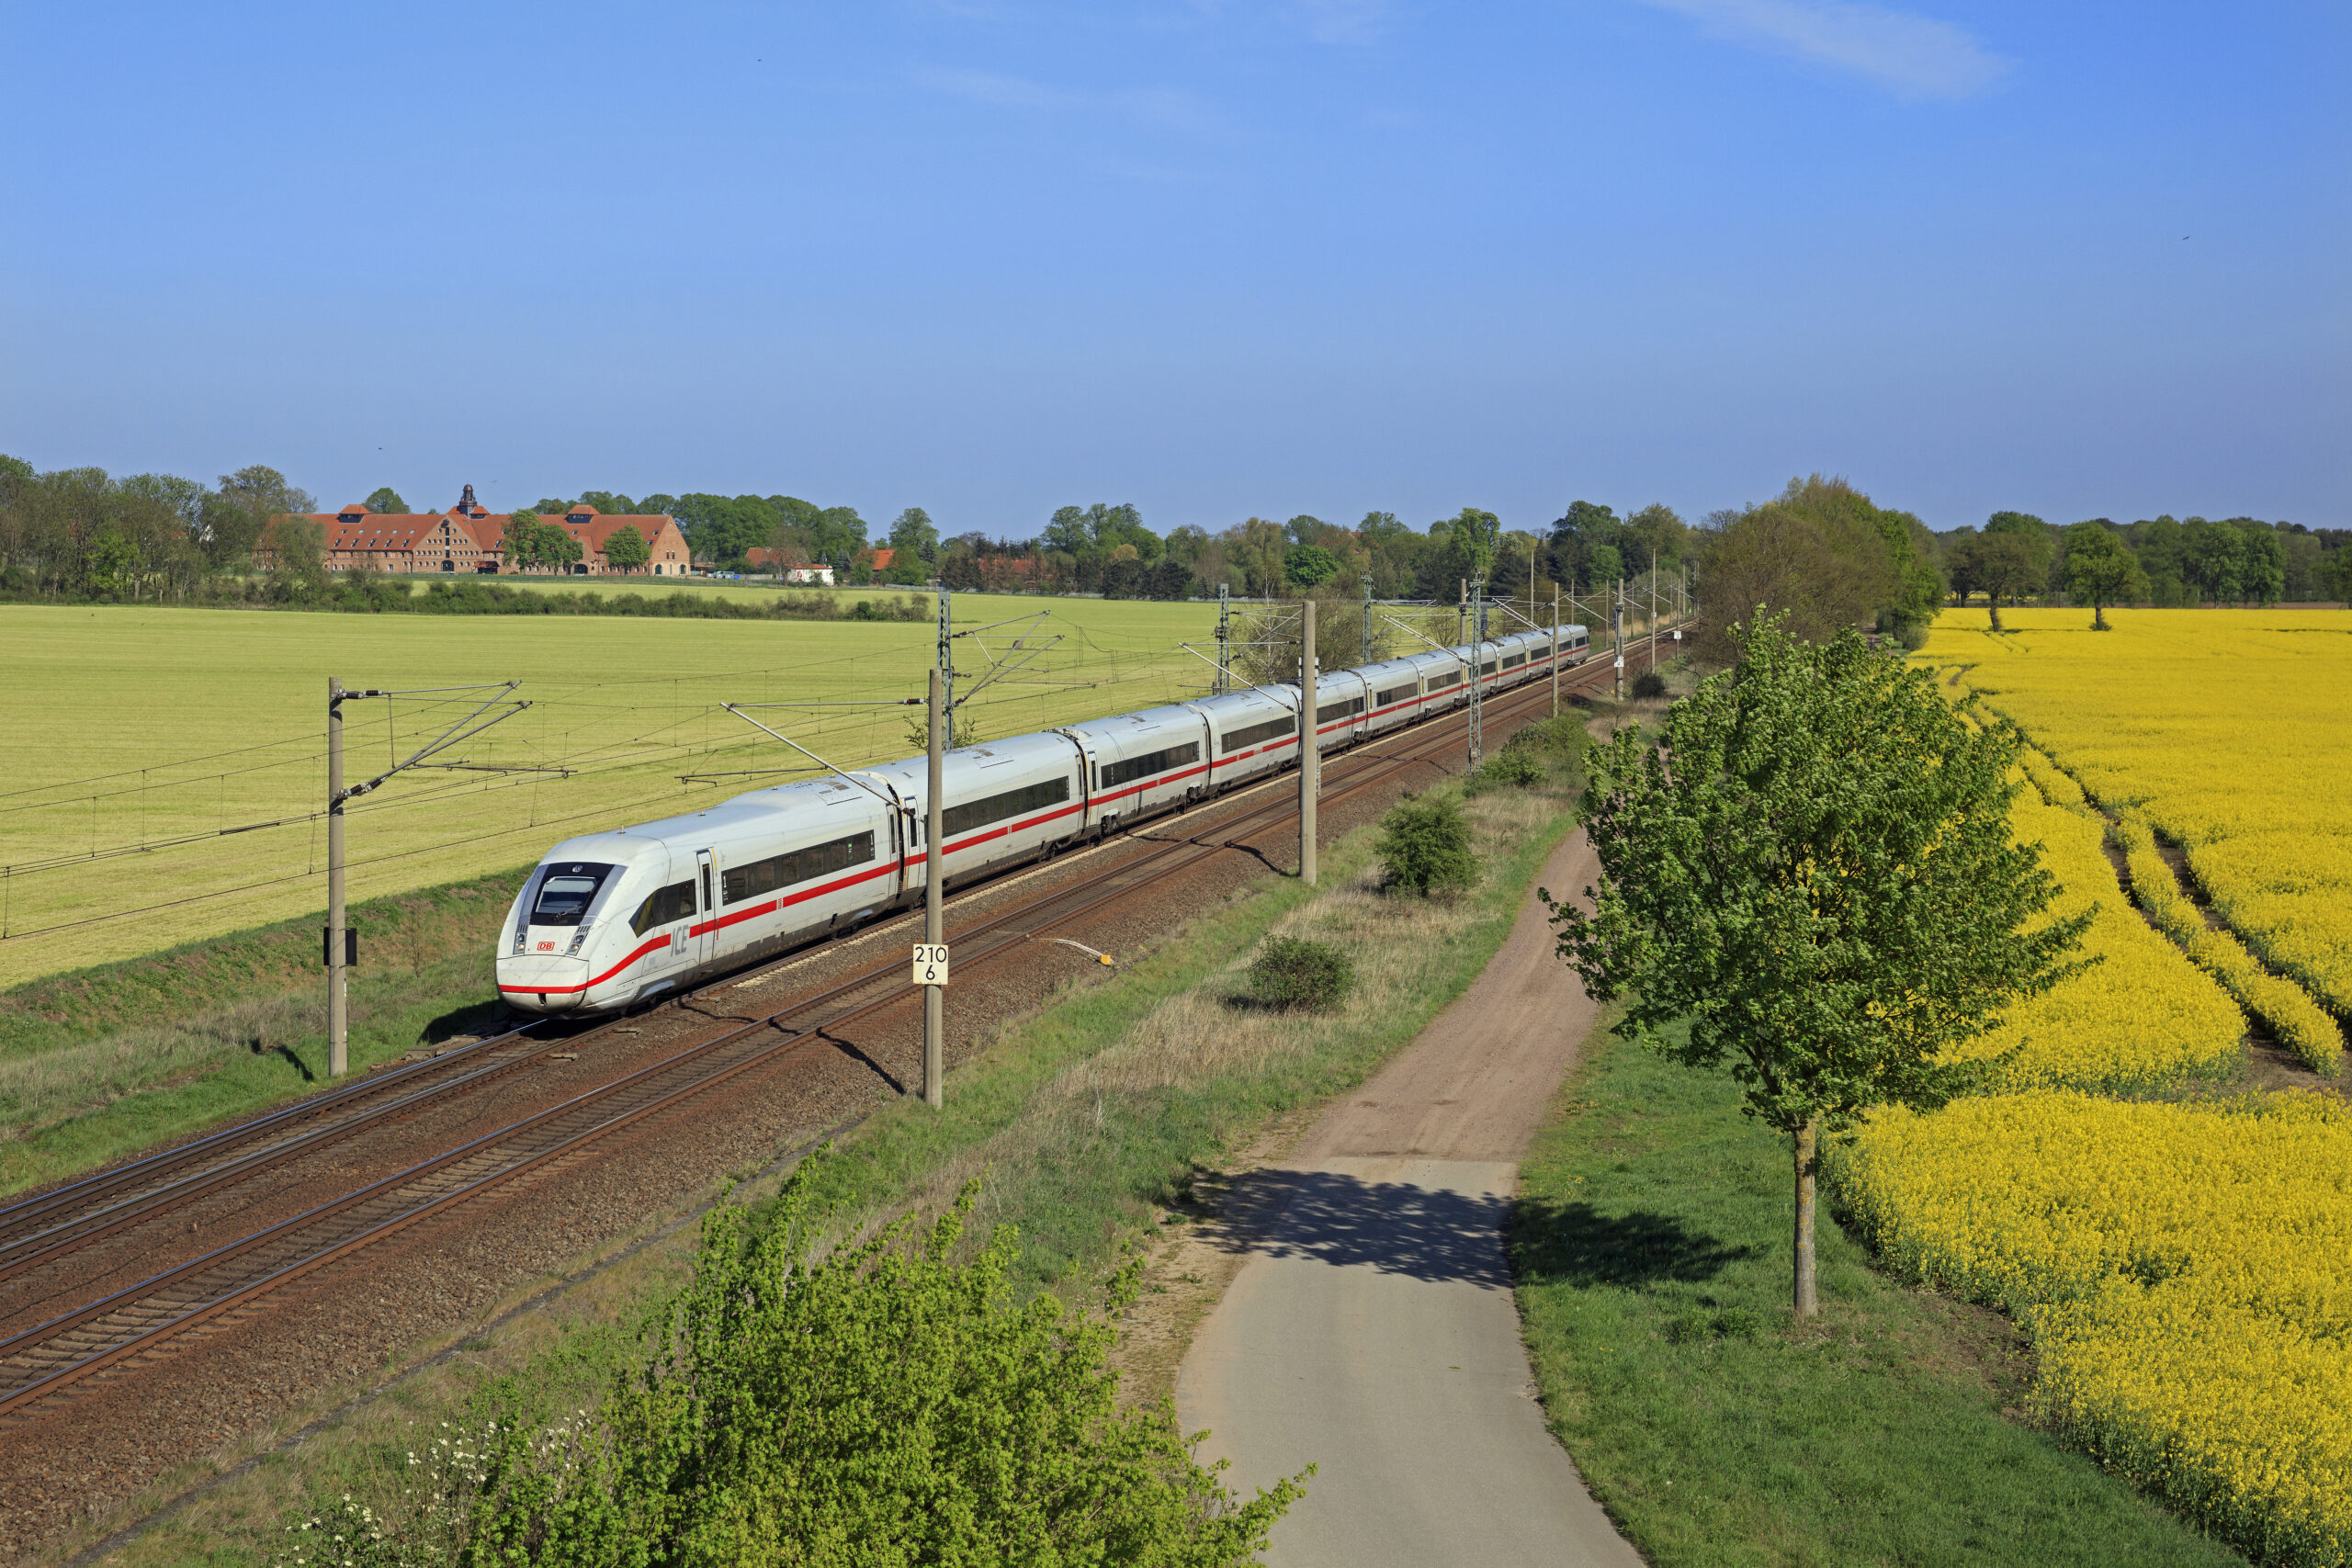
(38, 1365)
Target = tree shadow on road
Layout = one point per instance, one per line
(1398, 1228)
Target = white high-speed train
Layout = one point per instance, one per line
(610, 919)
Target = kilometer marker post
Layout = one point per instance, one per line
(1310, 752)
(934, 918)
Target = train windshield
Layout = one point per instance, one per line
(567, 890)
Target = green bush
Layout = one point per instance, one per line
(1649, 683)
(1292, 972)
(863, 1403)
(1514, 766)
(1424, 846)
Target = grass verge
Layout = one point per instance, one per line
(1652, 1246)
(1086, 1119)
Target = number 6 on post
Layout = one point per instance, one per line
(931, 964)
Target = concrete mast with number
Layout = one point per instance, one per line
(1555, 650)
(1478, 593)
(934, 916)
(338, 1004)
(1310, 755)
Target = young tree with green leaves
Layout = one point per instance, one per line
(1813, 869)
(519, 544)
(383, 499)
(627, 548)
(2101, 568)
(556, 547)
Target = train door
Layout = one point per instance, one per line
(703, 946)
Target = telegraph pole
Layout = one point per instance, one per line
(1461, 616)
(1478, 665)
(934, 916)
(1555, 650)
(1365, 656)
(1620, 608)
(338, 1005)
(1310, 754)
(946, 653)
(340, 946)
(1224, 638)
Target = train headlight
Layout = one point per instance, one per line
(578, 937)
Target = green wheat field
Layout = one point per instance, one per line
(135, 744)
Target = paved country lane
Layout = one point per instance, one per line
(1372, 1331)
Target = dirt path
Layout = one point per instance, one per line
(1370, 1327)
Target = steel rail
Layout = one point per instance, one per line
(31, 1210)
(179, 1315)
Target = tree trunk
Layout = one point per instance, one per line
(1993, 606)
(2098, 616)
(1807, 1138)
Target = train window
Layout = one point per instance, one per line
(1514, 662)
(1440, 682)
(1236, 739)
(751, 880)
(1394, 694)
(1143, 767)
(1345, 709)
(1488, 668)
(566, 892)
(996, 807)
(663, 906)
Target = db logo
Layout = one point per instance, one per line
(547, 947)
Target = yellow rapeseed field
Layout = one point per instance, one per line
(2143, 1016)
(136, 740)
(2226, 730)
(2185, 1268)
(2185, 1271)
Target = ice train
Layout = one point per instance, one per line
(611, 919)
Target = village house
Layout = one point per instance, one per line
(794, 563)
(469, 539)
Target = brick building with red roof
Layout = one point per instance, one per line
(468, 539)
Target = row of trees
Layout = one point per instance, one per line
(1107, 549)
(2160, 560)
(83, 533)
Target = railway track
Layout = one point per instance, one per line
(38, 1366)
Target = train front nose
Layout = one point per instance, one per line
(535, 984)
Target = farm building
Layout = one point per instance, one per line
(469, 539)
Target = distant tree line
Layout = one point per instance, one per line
(82, 533)
(1821, 551)
(2158, 561)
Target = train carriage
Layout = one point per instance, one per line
(1394, 699)
(1341, 701)
(1442, 686)
(1008, 800)
(1255, 732)
(1139, 765)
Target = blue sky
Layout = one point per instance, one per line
(1210, 256)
